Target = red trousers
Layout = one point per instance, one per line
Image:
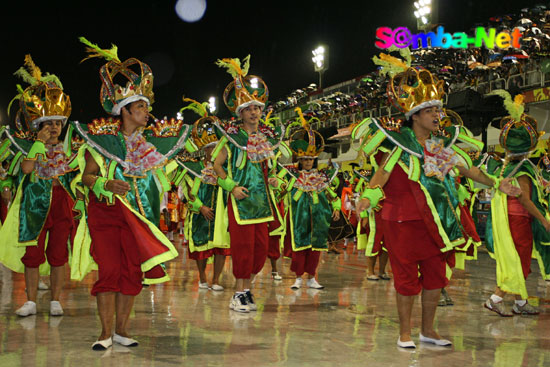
(249, 244)
(412, 250)
(305, 261)
(113, 249)
(522, 234)
(201, 255)
(58, 226)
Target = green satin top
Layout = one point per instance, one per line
(36, 200)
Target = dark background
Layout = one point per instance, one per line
(278, 34)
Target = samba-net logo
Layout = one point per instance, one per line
(402, 37)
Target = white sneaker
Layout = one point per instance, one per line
(312, 283)
(43, 286)
(217, 287)
(203, 285)
(122, 340)
(56, 309)
(275, 275)
(250, 301)
(238, 303)
(102, 344)
(297, 283)
(29, 308)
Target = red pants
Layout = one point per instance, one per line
(59, 224)
(305, 261)
(113, 249)
(522, 234)
(412, 250)
(249, 243)
(201, 255)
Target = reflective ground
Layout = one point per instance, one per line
(352, 322)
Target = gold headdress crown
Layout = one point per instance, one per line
(305, 142)
(518, 134)
(245, 90)
(43, 100)
(410, 89)
(114, 96)
(203, 133)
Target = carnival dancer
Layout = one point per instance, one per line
(206, 222)
(419, 217)
(35, 237)
(242, 159)
(370, 236)
(517, 222)
(122, 163)
(312, 203)
(171, 210)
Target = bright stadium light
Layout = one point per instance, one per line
(422, 13)
(212, 104)
(320, 61)
(254, 83)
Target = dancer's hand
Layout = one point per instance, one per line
(273, 182)
(117, 187)
(363, 205)
(508, 188)
(240, 192)
(44, 134)
(207, 213)
(336, 215)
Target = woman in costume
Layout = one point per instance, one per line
(517, 222)
(312, 203)
(41, 217)
(206, 222)
(123, 172)
(242, 162)
(419, 214)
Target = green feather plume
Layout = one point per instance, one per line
(392, 65)
(514, 107)
(95, 51)
(200, 109)
(233, 66)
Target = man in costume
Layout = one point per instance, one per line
(242, 159)
(41, 216)
(517, 222)
(419, 217)
(121, 164)
(312, 203)
(206, 222)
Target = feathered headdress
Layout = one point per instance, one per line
(139, 85)
(42, 100)
(245, 90)
(410, 89)
(305, 142)
(203, 133)
(518, 133)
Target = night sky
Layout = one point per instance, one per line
(278, 34)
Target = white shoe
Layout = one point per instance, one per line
(43, 286)
(203, 285)
(250, 301)
(297, 283)
(29, 308)
(409, 345)
(217, 287)
(56, 309)
(275, 275)
(102, 344)
(122, 340)
(312, 283)
(238, 303)
(440, 342)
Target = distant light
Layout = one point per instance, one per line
(212, 104)
(179, 116)
(424, 20)
(416, 5)
(254, 83)
(190, 10)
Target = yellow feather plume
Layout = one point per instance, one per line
(233, 66)
(305, 124)
(32, 68)
(514, 107)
